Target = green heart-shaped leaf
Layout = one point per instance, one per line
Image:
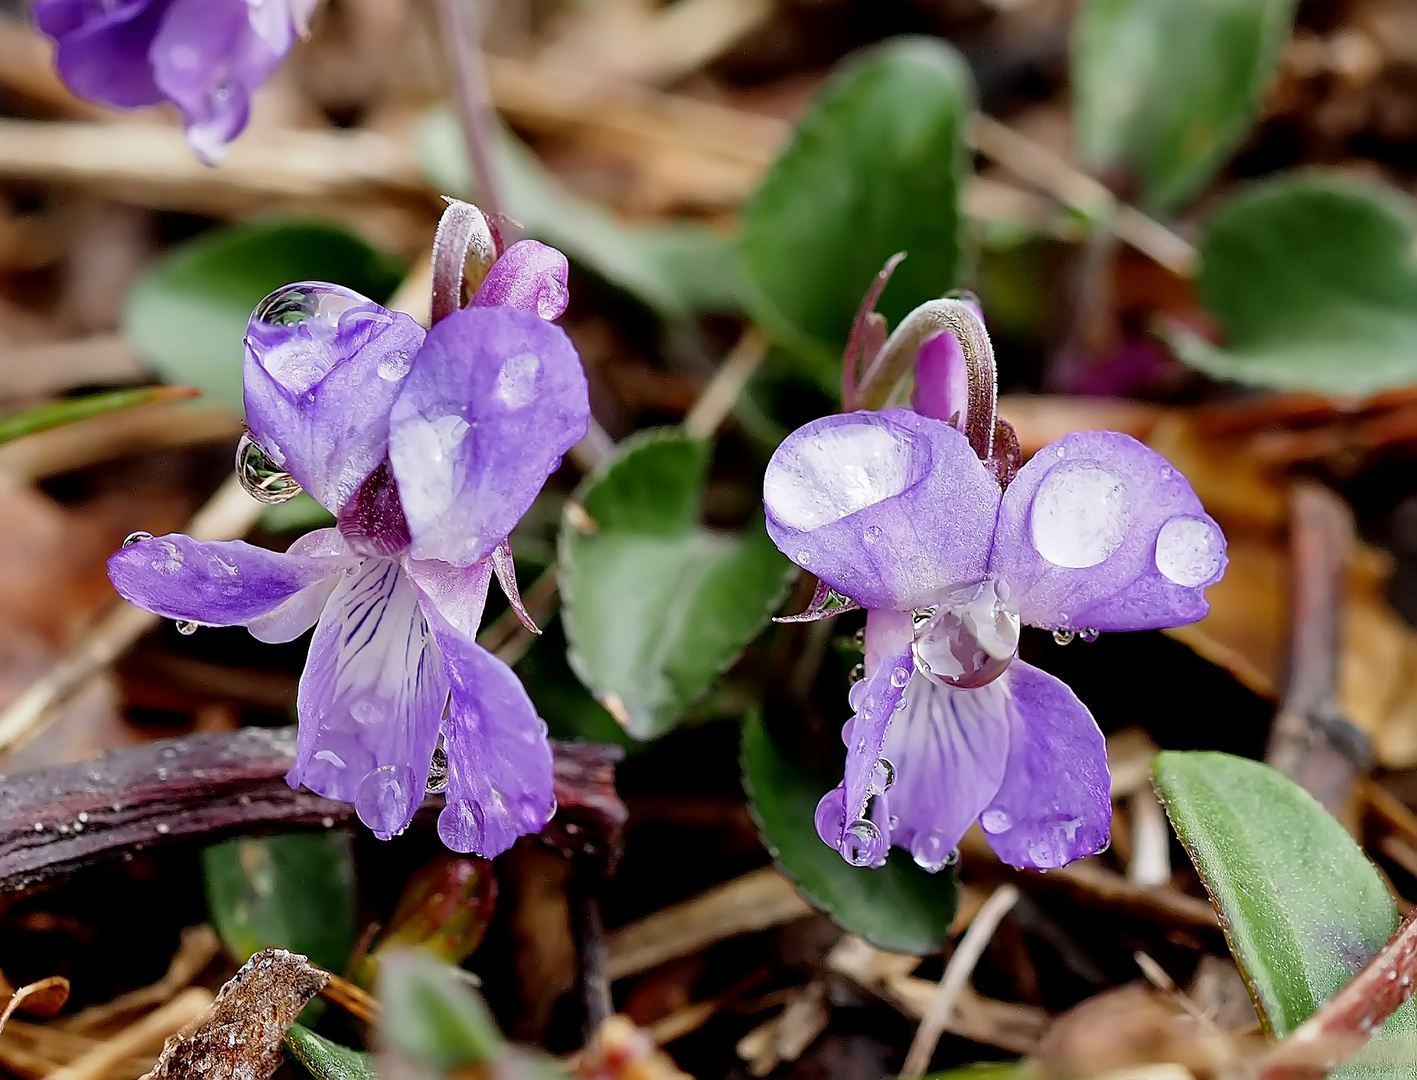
(1164, 91)
(898, 907)
(432, 1015)
(876, 167)
(677, 268)
(325, 1060)
(1313, 281)
(186, 315)
(1302, 907)
(656, 606)
(294, 892)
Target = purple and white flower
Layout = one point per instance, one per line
(895, 511)
(207, 57)
(428, 447)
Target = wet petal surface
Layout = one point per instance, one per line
(887, 508)
(1054, 804)
(530, 276)
(495, 398)
(216, 583)
(1099, 532)
(102, 51)
(371, 699)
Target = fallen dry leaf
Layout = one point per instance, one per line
(240, 1037)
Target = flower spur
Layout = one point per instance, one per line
(933, 528)
(428, 447)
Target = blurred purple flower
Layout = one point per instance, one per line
(205, 56)
(428, 448)
(895, 511)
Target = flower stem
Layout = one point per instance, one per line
(463, 233)
(462, 36)
(896, 357)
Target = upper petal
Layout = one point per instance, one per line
(948, 749)
(495, 397)
(887, 508)
(209, 57)
(500, 768)
(323, 365)
(1054, 804)
(941, 380)
(371, 699)
(215, 583)
(530, 276)
(102, 51)
(1098, 531)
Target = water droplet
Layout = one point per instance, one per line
(856, 462)
(1089, 634)
(438, 770)
(83, 817)
(260, 476)
(1080, 515)
(995, 820)
(857, 674)
(859, 638)
(39, 826)
(1063, 637)
(883, 776)
(803, 557)
(384, 799)
(186, 627)
(1189, 551)
(136, 538)
(899, 677)
(862, 844)
(970, 639)
(929, 852)
(920, 616)
(164, 828)
(872, 534)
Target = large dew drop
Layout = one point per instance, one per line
(969, 638)
(261, 477)
(817, 479)
(1080, 514)
(1188, 551)
(298, 333)
(383, 799)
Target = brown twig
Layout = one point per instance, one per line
(58, 821)
(1311, 743)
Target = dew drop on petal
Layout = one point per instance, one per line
(260, 476)
(803, 557)
(1188, 551)
(821, 478)
(857, 674)
(883, 776)
(858, 639)
(830, 816)
(995, 820)
(383, 799)
(1080, 515)
(1089, 634)
(438, 770)
(899, 677)
(872, 534)
(136, 538)
(185, 627)
(307, 301)
(862, 844)
(857, 692)
(929, 852)
(1064, 637)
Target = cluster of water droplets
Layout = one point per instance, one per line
(1066, 637)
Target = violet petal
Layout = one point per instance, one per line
(297, 614)
(214, 583)
(887, 508)
(529, 276)
(506, 570)
(500, 772)
(941, 380)
(102, 52)
(1098, 531)
(495, 397)
(1054, 804)
(371, 699)
(323, 365)
(948, 748)
(458, 592)
(874, 702)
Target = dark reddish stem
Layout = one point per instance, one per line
(59, 821)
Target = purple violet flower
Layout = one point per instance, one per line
(207, 57)
(895, 511)
(428, 447)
